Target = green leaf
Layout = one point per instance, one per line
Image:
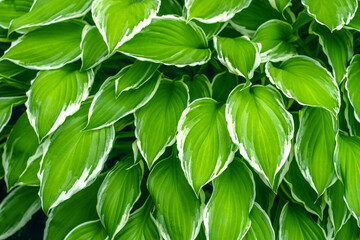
(118, 193)
(280, 5)
(213, 29)
(45, 12)
(179, 211)
(352, 85)
(349, 231)
(275, 37)
(79, 208)
(214, 11)
(264, 142)
(6, 106)
(347, 166)
(204, 144)
(55, 95)
(229, 50)
(199, 86)
(120, 21)
(222, 84)
(93, 48)
(338, 211)
(140, 225)
(350, 117)
(261, 228)
(88, 230)
(134, 76)
(55, 45)
(302, 192)
(170, 7)
(338, 47)
(306, 81)
(17, 208)
(9, 69)
(296, 223)
(156, 122)
(334, 14)
(72, 158)
(314, 147)
(249, 19)
(20, 146)
(106, 109)
(226, 214)
(29, 176)
(169, 40)
(10, 9)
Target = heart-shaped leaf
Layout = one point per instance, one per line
(6, 105)
(352, 85)
(222, 85)
(314, 147)
(261, 228)
(229, 50)
(106, 108)
(45, 12)
(305, 80)
(169, 40)
(54, 95)
(215, 10)
(156, 122)
(10, 9)
(118, 193)
(264, 142)
(334, 14)
(55, 45)
(204, 144)
(119, 21)
(73, 158)
(179, 211)
(88, 230)
(346, 155)
(226, 215)
(199, 86)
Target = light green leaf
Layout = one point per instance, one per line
(88, 230)
(353, 86)
(275, 37)
(134, 76)
(226, 215)
(106, 109)
(333, 14)
(214, 11)
(346, 155)
(314, 147)
(120, 21)
(250, 18)
(20, 146)
(222, 84)
(350, 117)
(349, 231)
(6, 105)
(169, 40)
(118, 193)
(261, 228)
(73, 158)
(302, 192)
(338, 47)
(296, 223)
(204, 144)
(306, 81)
(156, 122)
(45, 12)
(199, 86)
(179, 211)
(140, 225)
(55, 45)
(79, 208)
(55, 95)
(338, 211)
(264, 142)
(354, 23)
(280, 5)
(213, 29)
(29, 176)
(16, 209)
(10, 9)
(93, 48)
(229, 50)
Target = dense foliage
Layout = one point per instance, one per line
(180, 119)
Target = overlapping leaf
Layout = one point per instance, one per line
(6, 106)
(353, 85)
(88, 230)
(10, 9)
(261, 228)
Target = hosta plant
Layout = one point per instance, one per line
(180, 119)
